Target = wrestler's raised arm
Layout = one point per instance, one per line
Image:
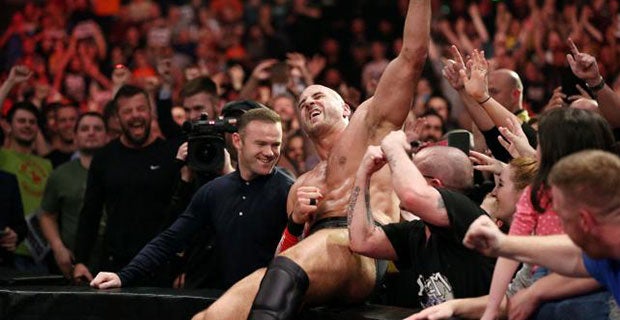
(395, 90)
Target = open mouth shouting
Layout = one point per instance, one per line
(314, 114)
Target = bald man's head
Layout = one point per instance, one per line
(505, 87)
(448, 164)
(585, 104)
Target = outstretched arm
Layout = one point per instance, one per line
(17, 75)
(476, 86)
(415, 194)
(451, 72)
(585, 67)
(558, 253)
(365, 237)
(395, 90)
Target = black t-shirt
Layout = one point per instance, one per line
(444, 269)
(134, 186)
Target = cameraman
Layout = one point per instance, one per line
(246, 209)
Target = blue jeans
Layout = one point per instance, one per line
(593, 306)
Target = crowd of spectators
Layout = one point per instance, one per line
(63, 60)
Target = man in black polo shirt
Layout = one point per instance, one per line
(245, 209)
(431, 187)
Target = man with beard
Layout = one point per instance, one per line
(31, 171)
(245, 209)
(433, 128)
(64, 192)
(132, 178)
(63, 148)
(321, 268)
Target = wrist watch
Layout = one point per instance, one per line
(597, 87)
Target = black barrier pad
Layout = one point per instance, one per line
(82, 302)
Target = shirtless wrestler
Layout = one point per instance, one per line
(321, 268)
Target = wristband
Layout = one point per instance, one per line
(597, 87)
(484, 100)
(295, 229)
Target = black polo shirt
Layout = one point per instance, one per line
(247, 217)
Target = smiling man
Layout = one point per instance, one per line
(31, 171)
(132, 178)
(246, 210)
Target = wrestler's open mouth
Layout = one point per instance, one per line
(314, 113)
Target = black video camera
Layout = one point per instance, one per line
(206, 142)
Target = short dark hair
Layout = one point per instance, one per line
(198, 85)
(432, 112)
(57, 106)
(234, 109)
(90, 114)
(23, 105)
(128, 91)
(259, 114)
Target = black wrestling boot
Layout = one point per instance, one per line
(281, 291)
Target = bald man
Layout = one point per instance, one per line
(432, 187)
(505, 87)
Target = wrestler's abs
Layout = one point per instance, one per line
(336, 189)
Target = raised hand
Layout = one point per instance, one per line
(19, 74)
(452, 68)
(514, 140)
(557, 99)
(583, 65)
(476, 83)
(482, 162)
(316, 65)
(296, 60)
(261, 71)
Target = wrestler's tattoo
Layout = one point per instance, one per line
(440, 203)
(391, 160)
(351, 206)
(369, 217)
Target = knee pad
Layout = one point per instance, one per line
(281, 291)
